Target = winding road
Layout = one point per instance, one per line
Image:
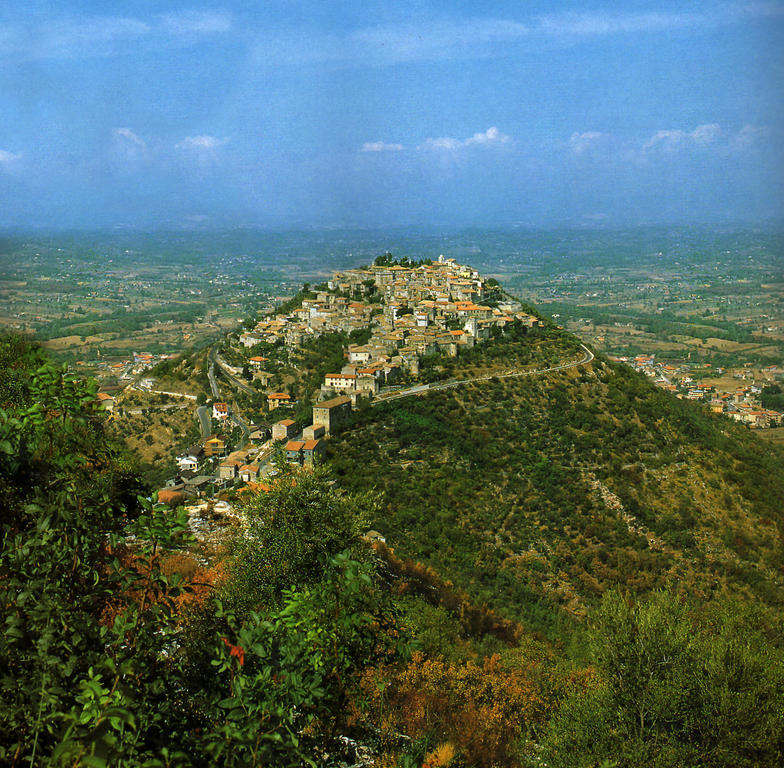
(243, 425)
(425, 388)
(228, 372)
(213, 383)
(203, 415)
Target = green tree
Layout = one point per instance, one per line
(99, 666)
(674, 688)
(292, 532)
(290, 672)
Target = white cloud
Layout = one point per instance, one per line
(575, 25)
(380, 146)
(706, 134)
(6, 157)
(675, 139)
(444, 142)
(434, 41)
(667, 139)
(200, 143)
(581, 143)
(196, 22)
(491, 137)
(99, 29)
(126, 134)
(705, 138)
(98, 35)
(751, 134)
(593, 24)
(441, 39)
(71, 37)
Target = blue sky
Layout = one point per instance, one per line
(287, 114)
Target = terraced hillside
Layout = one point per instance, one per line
(539, 494)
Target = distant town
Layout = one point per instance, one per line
(742, 401)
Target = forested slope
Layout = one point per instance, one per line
(539, 494)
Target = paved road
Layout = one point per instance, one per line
(423, 388)
(204, 412)
(243, 425)
(232, 369)
(203, 415)
(227, 372)
(213, 383)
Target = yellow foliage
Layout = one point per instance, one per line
(480, 710)
(440, 757)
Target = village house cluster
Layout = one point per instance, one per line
(741, 402)
(211, 463)
(411, 311)
(116, 373)
(406, 312)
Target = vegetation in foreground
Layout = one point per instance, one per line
(326, 651)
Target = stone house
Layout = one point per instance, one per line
(313, 451)
(283, 430)
(330, 414)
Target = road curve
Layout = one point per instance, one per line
(423, 389)
(203, 415)
(224, 366)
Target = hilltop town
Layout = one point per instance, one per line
(409, 312)
(279, 387)
(380, 325)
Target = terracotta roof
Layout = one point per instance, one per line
(286, 422)
(333, 403)
(310, 444)
(294, 445)
(167, 496)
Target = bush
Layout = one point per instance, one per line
(674, 688)
(292, 532)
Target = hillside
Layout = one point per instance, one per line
(539, 494)
(299, 644)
